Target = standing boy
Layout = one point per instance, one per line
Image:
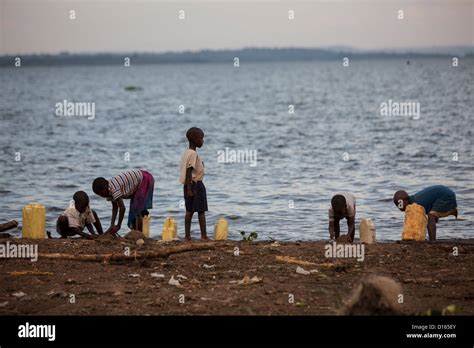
(192, 173)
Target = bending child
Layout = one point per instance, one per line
(343, 206)
(136, 185)
(439, 201)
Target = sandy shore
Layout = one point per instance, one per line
(430, 275)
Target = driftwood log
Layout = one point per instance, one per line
(133, 255)
(8, 225)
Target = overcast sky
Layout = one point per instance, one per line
(44, 26)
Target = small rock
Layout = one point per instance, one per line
(208, 266)
(140, 242)
(3, 304)
(134, 275)
(181, 276)
(70, 281)
(157, 275)
(135, 235)
(376, 295)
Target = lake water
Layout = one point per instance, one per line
(336, 139)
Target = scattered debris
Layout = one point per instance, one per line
(294, 260)
(62, 294)
(19, 294)
(301, 270)
(252, 236)
(27, 273)
(70, 281)
(181, 276)
(133, 88)
(174, 282)
(157, 275)
(134, 275)
(8, 225)
(208, 266)
(452, 309)
(246, 280)
(136, 256)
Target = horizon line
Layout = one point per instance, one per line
(336, 48)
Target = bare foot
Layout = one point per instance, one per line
(187, 239)
(205, 239)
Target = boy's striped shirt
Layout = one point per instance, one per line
(125, 184)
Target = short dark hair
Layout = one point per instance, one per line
(192, 132)
(80, 197)
(99, 185)
(338, 203)
(399, 195)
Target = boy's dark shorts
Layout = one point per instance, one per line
(198, 202)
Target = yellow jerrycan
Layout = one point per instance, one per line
(34, 221)
(221, 229)
(170, 229)
(146, 225)
(367, 231)
(415, 223)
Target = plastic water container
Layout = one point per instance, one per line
(170, 229)
(415, 223)
(146, 225)
(221, 229)
(34, 221)
(367, 231)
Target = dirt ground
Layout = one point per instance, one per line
(430, 275)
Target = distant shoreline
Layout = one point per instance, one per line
(218, 56)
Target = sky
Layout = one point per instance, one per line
(45, 26)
